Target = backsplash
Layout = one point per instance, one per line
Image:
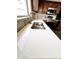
(22, 22)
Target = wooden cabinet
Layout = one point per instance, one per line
(35, 5)
(58, 8)
(43, 5)
(52, 4)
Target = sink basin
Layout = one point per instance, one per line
(38, 25)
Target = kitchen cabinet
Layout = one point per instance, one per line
(35, 5)
(52, 25)
(54, 0)
(44, 5)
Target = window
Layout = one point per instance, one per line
(23, 7)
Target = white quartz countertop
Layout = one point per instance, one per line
(38, 43)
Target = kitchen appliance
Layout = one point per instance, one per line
(51, 11)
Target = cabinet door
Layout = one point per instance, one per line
(58, 8)
(45, 8)
(35, 5)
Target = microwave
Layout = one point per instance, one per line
(51, 11)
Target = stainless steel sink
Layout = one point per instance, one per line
(38, 25)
